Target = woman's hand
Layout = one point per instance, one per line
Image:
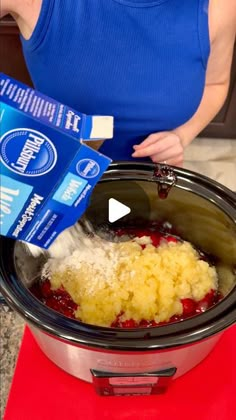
(161, 147)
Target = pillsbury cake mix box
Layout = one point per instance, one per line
(47, 173)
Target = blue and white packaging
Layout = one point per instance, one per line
(47, 173)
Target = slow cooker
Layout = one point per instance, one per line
(145, 360)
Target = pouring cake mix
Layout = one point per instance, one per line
(47, 173)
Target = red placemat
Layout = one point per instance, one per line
(42, 391)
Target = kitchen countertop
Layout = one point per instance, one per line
(11, 327)
(220, 165)
(213, 158)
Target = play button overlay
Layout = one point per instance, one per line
(116, 210)
(117, 204)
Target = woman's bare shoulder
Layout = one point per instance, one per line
(25, 12)
(12, 7)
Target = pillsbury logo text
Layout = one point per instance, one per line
(88, 168)
(28, 152)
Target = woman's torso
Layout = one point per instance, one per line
(143, 61)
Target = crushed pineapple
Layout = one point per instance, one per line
(140, 283)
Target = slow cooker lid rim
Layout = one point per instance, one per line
(221, 202)
(142, 346)
(145, 168)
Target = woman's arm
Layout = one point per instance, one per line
(222, 17)
(169, 146)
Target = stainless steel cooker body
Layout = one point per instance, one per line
(111, 370)
(136, 361)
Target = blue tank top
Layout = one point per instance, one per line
(143, 61)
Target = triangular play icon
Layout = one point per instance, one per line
(116, 210)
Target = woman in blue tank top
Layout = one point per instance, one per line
(161, 67)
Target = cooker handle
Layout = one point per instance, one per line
(110, 383)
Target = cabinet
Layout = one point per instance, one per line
(11, 57)
(12, 63)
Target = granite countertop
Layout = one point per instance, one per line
(213, 158)
(11, 327)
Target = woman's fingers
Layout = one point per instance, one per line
(165, 147)
(156, 147)
(158, 143)
(168, 154)
(175, 161)
(148, 141)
